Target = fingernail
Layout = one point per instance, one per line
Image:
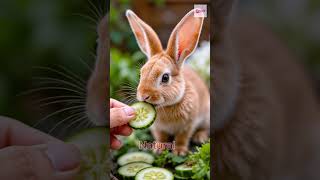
(129, 111)
(64, 157)
(116, 144)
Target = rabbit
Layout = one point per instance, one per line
(97, 91)
(180, 96)
(266, 121)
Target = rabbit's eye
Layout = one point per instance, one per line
(165, 78)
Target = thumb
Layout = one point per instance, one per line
(51, 161)
(121, 116)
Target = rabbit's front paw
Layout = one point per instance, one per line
(180, 150)
(201, 136)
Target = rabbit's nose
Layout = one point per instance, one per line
(145, 97)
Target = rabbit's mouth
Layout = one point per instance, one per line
(164, 103)
(160, 101)
(151, 99)
(156, 103)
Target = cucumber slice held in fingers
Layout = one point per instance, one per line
(93, 146)
(130, 170)
(145, 115)
(135, 157)
(154, 173)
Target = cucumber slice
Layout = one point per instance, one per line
(184, 170)
(93, 145)
(154, 173)
(135, 157)
(130, 170)
(145, 115)
(176, 176)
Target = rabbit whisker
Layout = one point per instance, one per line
(57, 112)
(83, 123)
(73, 74)
(95, 11)
(58, 97)
(128, 88)
(49, 80)
(73, 101)
(64, 120)
(86, 17)
(86, 64)
(76, 121)
(60, 73)
(102, 6)
(50, 88)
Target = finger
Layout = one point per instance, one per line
(116, 104)
(115, 143)
(121, 116)
(52, 161)
(13, 132)
(123, 130)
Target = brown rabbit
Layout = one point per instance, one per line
(266, 118)
(180, 96)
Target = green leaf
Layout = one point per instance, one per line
(200, 161)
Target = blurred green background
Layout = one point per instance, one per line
(48, 33)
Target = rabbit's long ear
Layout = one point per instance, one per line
(147, 39)
(184, 38)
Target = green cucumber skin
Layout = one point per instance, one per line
(150, 124)
(121, 164)
(179, 177)
(144, 127)
(132, 177)
(184, 173)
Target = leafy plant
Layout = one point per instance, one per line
(131, 143)
(200, 161)
(167, 158)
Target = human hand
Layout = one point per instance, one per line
(120, 115)
(26, 153)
